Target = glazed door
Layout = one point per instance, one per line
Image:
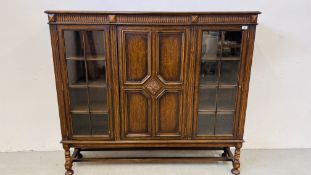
(219, 68)
(152, 81)
(86, 75)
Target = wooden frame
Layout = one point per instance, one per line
(178, 29)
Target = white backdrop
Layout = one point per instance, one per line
(279, 108)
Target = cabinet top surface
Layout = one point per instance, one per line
(154, 12)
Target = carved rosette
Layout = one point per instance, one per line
(254, 18)
(153, 86)
(194, 19)
(112, 18)
(51, 18)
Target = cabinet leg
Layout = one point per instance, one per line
(68, 161)
(236, 159)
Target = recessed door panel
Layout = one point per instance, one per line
(170, 55)
(168, 117)
(136, 55)
(137, 119)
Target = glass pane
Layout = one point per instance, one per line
(231, 46)
(94, 45)
(210, 45)
(229, 72)
(74, 44)
(207, 99)
(226, 98)
(78, 99)
(76, 72)
(224, 124)
(96, 72)
(206, 123)
(81, 124)
(99, 124)
(208, 72)
(98, 99)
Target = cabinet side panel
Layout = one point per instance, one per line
(246, 79)
(58, 79)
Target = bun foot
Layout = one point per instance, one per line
(69, 172)
(235, 171)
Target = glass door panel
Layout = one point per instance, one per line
(226, 98)
(207, 101)
(99, 124)
(229, 72)
(223, 123)
(96, 72)
(76, 72)
(74, 45)
(94, 45)
(206, 123)
(78, 99)
(81, 124)
(209, 72)
(218, 78)
(86, 67)
(98, 100)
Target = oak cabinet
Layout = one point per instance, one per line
(147, 80)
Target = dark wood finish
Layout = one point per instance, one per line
(138, 80)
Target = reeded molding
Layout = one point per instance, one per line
(153, 18)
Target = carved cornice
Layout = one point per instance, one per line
(81, 19)
(182, 19)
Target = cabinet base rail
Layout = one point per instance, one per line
(227, 155)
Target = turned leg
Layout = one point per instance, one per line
(236, 159)
(68, 161)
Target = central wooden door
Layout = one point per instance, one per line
(152, 61)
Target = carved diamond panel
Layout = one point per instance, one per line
(153, 86)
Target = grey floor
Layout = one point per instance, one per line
(253, 162)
